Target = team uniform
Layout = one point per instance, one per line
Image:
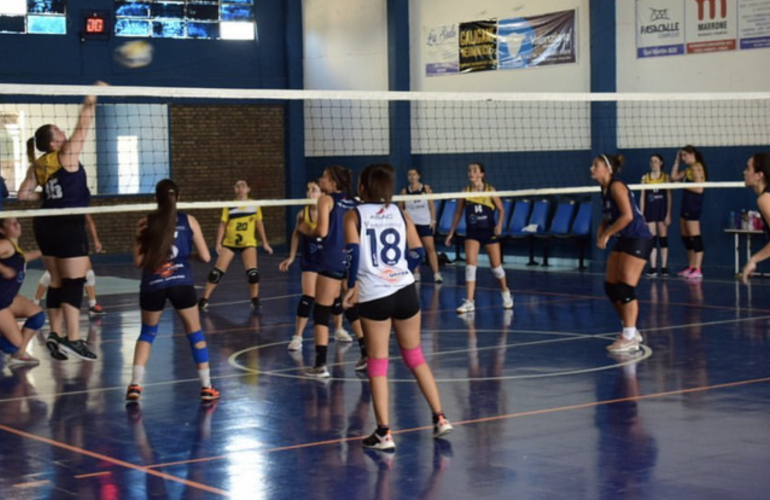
(655, 200)
(765, 227)
(9, 288)
(634, 239)
(174, 280)
(310, 245)
(692, 203)
(419, 211)
(333, 260)
(240, 227)
(386, 285)
(61, 236)
(480, 217)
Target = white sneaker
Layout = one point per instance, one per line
(442, 428)
(382, 443)
(438, 278)
(638, 337)
(466, 307)
(624, 345)
(318, 372)
(507, 299)
(296, 343)
(342, 336)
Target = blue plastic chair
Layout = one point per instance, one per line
(518, 219)
(560, 226)
(581, 229)
(447, 215)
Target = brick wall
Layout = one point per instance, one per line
(211, 148)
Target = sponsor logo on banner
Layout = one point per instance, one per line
(711, 26)
(441, 54)
(659, 28)
(754, 24)
(537, 40)
(478, 46)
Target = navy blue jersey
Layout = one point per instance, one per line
(479, 211)
(333, 258)
(175, 271)
(655, 200)
(311, 246)
(637, 228)
(61, 189)
(9, 288)
(692, 203)
(765, 227)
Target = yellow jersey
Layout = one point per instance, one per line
(481, 200)
(241, 226)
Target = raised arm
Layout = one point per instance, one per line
(29, 184)
(69, 154)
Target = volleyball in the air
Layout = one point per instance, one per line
(137, 54)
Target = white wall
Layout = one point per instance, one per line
(732, 71)
(345, 44)
(560, 78)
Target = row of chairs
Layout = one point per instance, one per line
(571, 221)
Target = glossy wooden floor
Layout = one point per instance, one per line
(540, 409)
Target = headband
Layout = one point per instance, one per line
(607, 161)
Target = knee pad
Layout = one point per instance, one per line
(72, 291)
(697, 244)
(337, 307)
(304, 306)
(376, 367)
(611, 289)
(252, 275)
(687, 241)
(35, 322)
(470, 273)
(321, 315)
(90, 278)
(148, 333)
(655, 240)
(663, 241)
(45, 279)
(352, 313)
(53, 298)
(215, 275)
(626, 293)
(200, 354)
(7, 347)
(413, 357)
(498, 272)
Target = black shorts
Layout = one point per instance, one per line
(63, 236)
(424, 231)
(690, 215)
(401, 305)
(637, 247)
(483, 236)
(237, 250)
(335, 275)
(181, 297)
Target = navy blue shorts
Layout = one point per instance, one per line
(637, 247)
(483, 236)
(655, 212)
(180, 296)
(424, 231)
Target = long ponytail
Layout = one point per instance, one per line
(156, 240)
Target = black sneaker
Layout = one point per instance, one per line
(77, 348)
(255, 303)
(664, 271)
(651, 273)
(52, 343)
(203, 304)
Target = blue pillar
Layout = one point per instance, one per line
(399, 80)
(296, 169)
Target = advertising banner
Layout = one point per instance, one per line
(478, 46)
(525, 42)
(659, 28)
(754, 24)
(710, 25)
(441, 54)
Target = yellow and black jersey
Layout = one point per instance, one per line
(240, 226)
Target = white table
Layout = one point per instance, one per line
(737, 233)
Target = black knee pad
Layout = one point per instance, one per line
(252, 275)
(663, 241)
(655, 240)
(72, 291)
(53, 298)
(687, 241)
(215, 275)
(352, 313)
(626, 293)
(304, 306)
(611, 289)
(697, 244)
(337, 306)
(321, 315)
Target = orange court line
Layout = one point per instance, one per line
(113, 461)
(93, 474)
(544, 411)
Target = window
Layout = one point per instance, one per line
(202, 19)
(40, 17)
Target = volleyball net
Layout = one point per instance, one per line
(531, 144)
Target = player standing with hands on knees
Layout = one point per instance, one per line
(756, 177)
(383, 245)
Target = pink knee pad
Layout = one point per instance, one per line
(377, 367)
(413, 357)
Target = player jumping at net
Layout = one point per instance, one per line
(13, 265)
(94, 309)
(62, 239)
(164, 243)
(336, 183)
(237, 232)
(756, 177)
(692, 206)
(656, 207)
(383, 246)
(479, 213)
(623, 221)
(423, 214)
(311, 253)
